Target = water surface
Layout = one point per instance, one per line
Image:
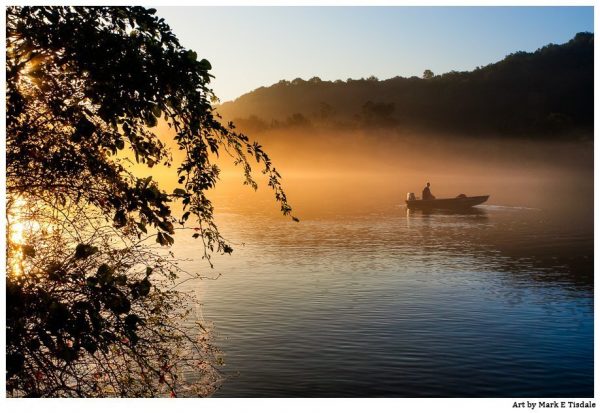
(497, 302)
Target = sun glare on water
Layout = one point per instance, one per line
(18, 226)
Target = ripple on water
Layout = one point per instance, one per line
(403, 306)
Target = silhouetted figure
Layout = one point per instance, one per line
(427, 193)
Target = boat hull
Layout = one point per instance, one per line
(448, 203)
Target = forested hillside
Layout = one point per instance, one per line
(545, 93)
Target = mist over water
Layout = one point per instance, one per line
(326, 172)
(364, 298)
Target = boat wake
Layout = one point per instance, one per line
(506, 207)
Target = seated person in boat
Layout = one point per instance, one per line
(427, 193)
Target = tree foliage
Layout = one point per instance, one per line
(89, 312)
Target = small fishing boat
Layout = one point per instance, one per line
(460, 202)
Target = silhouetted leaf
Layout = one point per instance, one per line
(192, 55)
(28, 250)
(144, 287)
(205, 64)
(104, 273)
(83, 251)
(120, 219)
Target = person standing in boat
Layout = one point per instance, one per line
(427, 193)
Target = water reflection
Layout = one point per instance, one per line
(517, 240)
(474, 211)
(394, 303)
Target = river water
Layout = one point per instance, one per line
(496, 302)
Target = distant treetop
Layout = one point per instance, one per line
(548, 92)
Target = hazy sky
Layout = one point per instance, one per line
(251, 47)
